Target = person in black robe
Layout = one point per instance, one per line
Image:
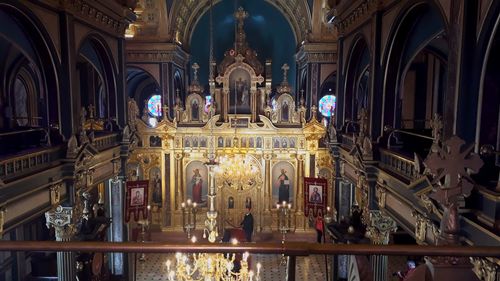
(247, 225)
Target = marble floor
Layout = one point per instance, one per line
(311, 268)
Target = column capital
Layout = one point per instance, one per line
(380, 227)
(61, 219)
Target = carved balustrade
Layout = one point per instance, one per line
(20, 165)
(396, 163)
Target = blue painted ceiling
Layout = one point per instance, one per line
(267, 31)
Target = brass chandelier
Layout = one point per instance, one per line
(237, 171)
(210, 267)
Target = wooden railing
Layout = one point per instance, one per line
(106, 141)
(396, 163)
(20, 165)
(347, 140)
(287, 248)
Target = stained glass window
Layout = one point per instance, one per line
(327, 105)
(154, 105)
(208, 103)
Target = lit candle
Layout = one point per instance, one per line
(183, 205)
(194, 204)
(250, 275)
(234, 241)
(277, 206)
(189, 202)
(289, 205)
(258, 268)
(193, 239)
(284, 203)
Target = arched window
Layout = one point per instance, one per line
(327, 105)
(20, 103)
(154, 105)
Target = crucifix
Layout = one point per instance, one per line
(285, 68)
(195, 68)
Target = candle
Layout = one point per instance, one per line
(168, 265)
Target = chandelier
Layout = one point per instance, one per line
(211, 267)
(237, 171)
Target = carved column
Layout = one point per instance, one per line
(61, 220)
(299, 215)
(179, 196)
(118, 229)
(378, 231)
(267, 193)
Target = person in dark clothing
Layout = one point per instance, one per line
(247, 225)
(319, 225)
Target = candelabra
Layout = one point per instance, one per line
(189, 210)
(144, 232)
(284, 217)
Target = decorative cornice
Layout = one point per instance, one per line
(317, 53)
(156, 52)
(349, 17)
(108, 15)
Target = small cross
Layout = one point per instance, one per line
(91, 111)
(195, 67)
(285, 68)
(436, 125)
(240, 16)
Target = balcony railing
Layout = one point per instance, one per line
(347, 141)
(30, 162)
(106, 141)
(397, 163)
(290, 249)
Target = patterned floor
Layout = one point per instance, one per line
(311, 268)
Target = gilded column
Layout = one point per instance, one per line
(378, 231)
(267, 193)
(300, 222)
(61, 220)
(180, 183)
(300, 183)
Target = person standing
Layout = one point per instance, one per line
(247, 225)
(319, 225)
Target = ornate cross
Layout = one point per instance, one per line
(195, 67)
(436, 125)
(449, 163)
(240, 16)
(285, 68)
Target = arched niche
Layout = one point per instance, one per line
(30, 68)
(417, 37)
(141, 86)
(356, 79)
(487, 112)
(97, 77)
